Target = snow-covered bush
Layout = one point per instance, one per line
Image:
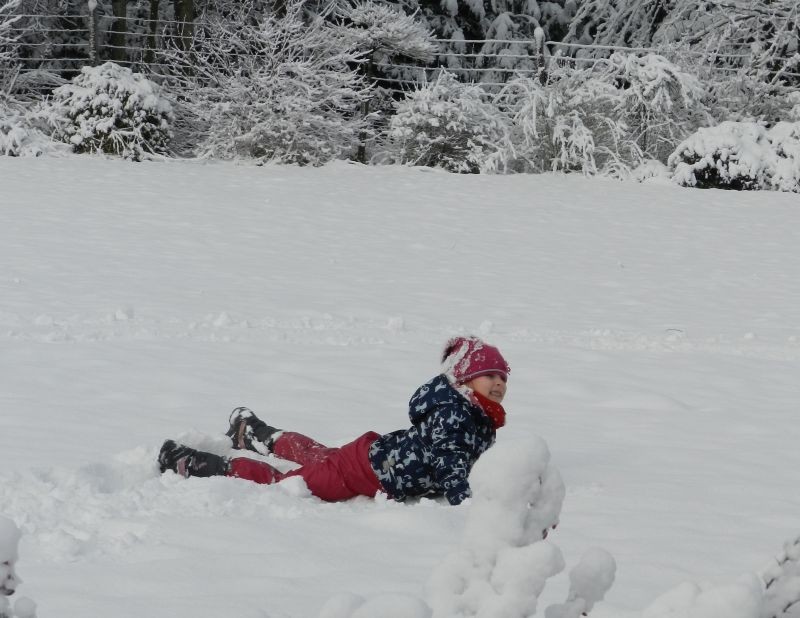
(741, 97)
(448, 124)
(20, 139)
(110, 109)
(23, 130)
(731, 155)
(271, 88)
(660, 103)
(569, 123)
(782, 583)
(741, 156)
(785, 140)
(9, 542)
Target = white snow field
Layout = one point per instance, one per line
(653, 334)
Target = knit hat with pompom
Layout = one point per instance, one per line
(465, 358)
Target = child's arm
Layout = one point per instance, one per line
(451, 433)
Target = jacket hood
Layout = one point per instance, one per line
(437, 392)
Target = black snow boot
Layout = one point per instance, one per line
(248, 432)
(187, 461)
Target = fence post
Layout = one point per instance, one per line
(92, 4)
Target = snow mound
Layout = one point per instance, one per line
(502, 565)
(740, 599)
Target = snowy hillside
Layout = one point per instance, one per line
(653, 334)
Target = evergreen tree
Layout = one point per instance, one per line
(758, 36)
(482, 35)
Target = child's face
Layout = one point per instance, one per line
(491, 386)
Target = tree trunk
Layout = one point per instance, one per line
(361, 153)
(117, 34)
(184, 15)
(152, 29)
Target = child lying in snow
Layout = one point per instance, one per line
(454, 418)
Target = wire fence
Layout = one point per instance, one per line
(53, 48)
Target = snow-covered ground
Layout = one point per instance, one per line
(653, 334)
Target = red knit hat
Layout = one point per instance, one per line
(465, 358)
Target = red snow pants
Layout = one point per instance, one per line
(331, 474)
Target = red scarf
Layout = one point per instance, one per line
(493, 410)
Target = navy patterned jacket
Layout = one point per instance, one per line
(435, 455)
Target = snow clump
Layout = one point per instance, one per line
(739, 599)
(503, 562)
(589, 581)
(110, 109)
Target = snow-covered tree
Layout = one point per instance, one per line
(110, 109)
(575, 121)
(757, 33)
(627, 23)
(606, 117)
(9, 43)
(486, 40)
(447, 124)
(661, 103)
(386, 34)
(388, 38)
(279, 88)
(746, 45)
